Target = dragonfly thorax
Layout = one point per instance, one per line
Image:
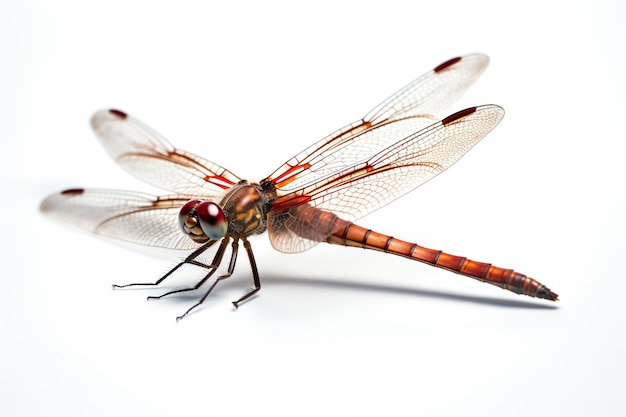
(241, 213)
(245, 207)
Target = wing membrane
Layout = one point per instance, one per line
(368, 185)
(151, 158)
(134, 217)
(416, 106)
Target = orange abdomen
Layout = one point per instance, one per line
(357, 236)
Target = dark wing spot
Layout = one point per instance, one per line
(73, 191)
(118, 113)
(458, 115)
(446, 64)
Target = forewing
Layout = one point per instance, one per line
(134, 217)
(412, 108)
(151, 158)
(368, 185)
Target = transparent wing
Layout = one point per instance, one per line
(369, 185)
(134, 217)
(151, 158)
(414, 107)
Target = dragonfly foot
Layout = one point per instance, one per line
(154, 297)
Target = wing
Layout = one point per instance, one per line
(370, 184)
(134, 217)
(414, 107)
(151, 158)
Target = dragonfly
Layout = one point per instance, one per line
(316, 196)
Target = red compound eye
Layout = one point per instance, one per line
(189, 222)
(185, 216)
(212, 219)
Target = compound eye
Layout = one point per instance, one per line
(188, 221)
(212, 219)
(186, 210)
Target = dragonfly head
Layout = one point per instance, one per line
(202, 221)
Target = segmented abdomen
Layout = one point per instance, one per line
(508, 279)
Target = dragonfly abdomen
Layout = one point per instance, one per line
(507, 279)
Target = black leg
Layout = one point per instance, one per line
(255, 275)
(214, 265)
(189, 260)
(231, 268)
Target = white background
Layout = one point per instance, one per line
(334, 330)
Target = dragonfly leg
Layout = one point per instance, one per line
(255, 275)
(214, 264)
(231, 268)
(188, 260)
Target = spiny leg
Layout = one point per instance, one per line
(188, 260)
(255, 275)
(214, 265)
(231, 268)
